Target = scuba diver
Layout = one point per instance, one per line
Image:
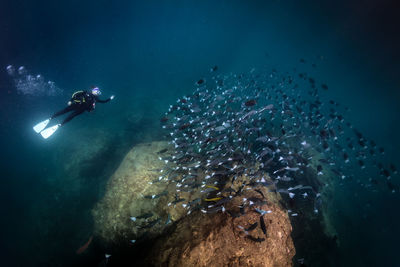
(80, 102)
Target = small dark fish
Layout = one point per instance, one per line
(262, 224)
(164, 193)
(393, 188)
(162, 151)
(85, 246)
(213, 69)
(252, 238)
(242, 210)
(222, 201)
(255, 199)
(229, 190)
(259, 191)
(145, 215)
(215, 209)
(324, 86)
(265, 152)
(325, 145)
(250, 103)
(252, 227)
(323, 134)
(184, 126)
(358, 133)
(345, 157)
(361, 163)
(386, 173)
(362, 143)
(233, 214)
(178, 200)
(199, 82)
(393, 168)
(164, 119)
(152, 223)
(372, 143)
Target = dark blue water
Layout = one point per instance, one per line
(148, 55)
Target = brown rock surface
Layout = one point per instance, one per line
(216, 240)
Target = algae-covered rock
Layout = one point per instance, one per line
(141, 197)
(133, 194)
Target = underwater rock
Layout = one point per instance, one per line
(141, 198)
(188, 229)
(218, 239)
(130, 194)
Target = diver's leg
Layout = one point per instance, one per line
(63, 111)
(73, 115)
(42, 125)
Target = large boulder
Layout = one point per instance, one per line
(156, 223)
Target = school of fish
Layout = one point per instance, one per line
(272, 128)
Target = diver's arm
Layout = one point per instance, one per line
(104, 101)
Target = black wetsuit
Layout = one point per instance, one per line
(81, 101)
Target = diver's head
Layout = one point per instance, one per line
(96, 91)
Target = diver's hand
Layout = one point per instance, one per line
(112, 97)
(69, 103)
